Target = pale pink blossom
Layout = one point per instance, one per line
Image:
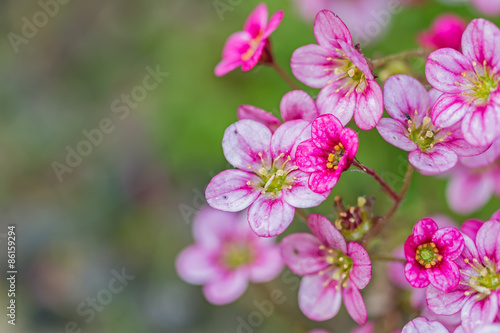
(422, 325)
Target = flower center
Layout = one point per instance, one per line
(353, 79)
(428, 255)
(237, 255)
(355, 221)
(481, 83)
(339, 269)
(276, 177)
(334, 157)
(254, 43)
(426, 136)
(484, 279)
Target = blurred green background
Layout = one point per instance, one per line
(129, 203)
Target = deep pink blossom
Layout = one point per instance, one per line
(477, 295)
(422, 325)
(328, 153)
(294, 105)
(267, 178)
(432, 149)
(446, 31)
(470, 83)
(430, 252)
(475, 180)
(245, 48)
(332, 270)
(334, 64)
(226, 255)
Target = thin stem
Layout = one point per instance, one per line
(420, 53)
(285, 75)
(387, 189)
(387, 258)
(378, 227)
(301, 214)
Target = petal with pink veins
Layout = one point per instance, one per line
(468, 191)
(316, 301)
(403, 96)
(444, 276)
(269, 217)
(448, 110)
(326, 232)
(422, 325)
(329, 27)
(259, 115)
(471, 227)
(446, 302)
(301, 253)
(369, 106)
(423, 230)
(226, 289)
(481, 43)
(394, 132)
(478, 313)
(297, 104)
(354, 304)
(482, 126)
(445, 68)
(300, 195)
(310, 65)
(361, 272)
(416, 275)
(326, 130)
(229, 190)
(349, 138)
(310, 158)
(288, 136)
(449, 242)
(324, 181)
(438, 160)
(330, 101)
(488, 241)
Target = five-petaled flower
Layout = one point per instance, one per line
(331, 268)
(432, 149)
(267, 178)
(430, 252)
(245, 48)
(349, 86)
(470, 83)
(328, 153)
(226, 255)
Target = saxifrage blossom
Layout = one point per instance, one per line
(446, 31)
(294, 105)
(334, 64)
(432, 149)
(332, 270)
(226, 256)
(477, 295)
(470, 83)
(245, 48)
(422, 325)
(267, 178)
(430, 253)
(328, 153)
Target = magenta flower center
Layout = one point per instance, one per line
(351, 77)
(335, 156)
(427, 255)
(339, 269)
(252, 47)
(484, 278)
(481, 83)
(275, 177)
(426, 136)
(236, 255)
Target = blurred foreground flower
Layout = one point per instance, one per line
(226, 255)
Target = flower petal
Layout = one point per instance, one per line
(257, 20)
(449, 241)
(288, 136)
(361, 272)
(259, 115)
(478, 313)
(448, 110)
(446, 302)
(316, 301)
(326, 130)
(369, 106)
(471, 227)
(267, 265)
(323, 181)
(274, 22)
(488, 241)
(444, 276)
(301, 253)
(243, 142)
(403, 95)
(350, 141)
(337, 103)
(326, 232)
(485, 159)
(309, 157)
(226, 66)
(416, 275)
(269, 217)
(482, 126)
(297, 104)
(308, 64)
(444, 69)
(196, 265)
(438, 160)
(481, 43)
(212, 226)
(394, 132)
(422, 325)
(328, 28)
(455, 141)
(423, 230)
(354, 303)
(226, 289)
(300, 195)
(229, 190)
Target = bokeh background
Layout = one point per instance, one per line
(128, 205)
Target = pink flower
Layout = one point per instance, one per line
(349, 87)
(471, 227)
(331, 268)
(422, 325)
(296, 104)
(477, 295)
(430, 252)
(432, 149)
(267, 178)
(328, 153)
(475, 180)
(470, 83)
(446, 31)
(487, 7)
(245, 48)
(226, 255)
